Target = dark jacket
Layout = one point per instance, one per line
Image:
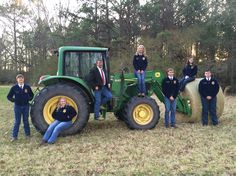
(20, 97)
(140, 62)
(170, 87)
(208, 88)
(190, 70)
(95, 79)
(64, 114)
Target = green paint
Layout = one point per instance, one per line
(124, 86)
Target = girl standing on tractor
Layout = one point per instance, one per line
(140, 64)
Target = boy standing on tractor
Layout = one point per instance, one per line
(208, 89)
(101, 87)
(170, 88)
(20, 94)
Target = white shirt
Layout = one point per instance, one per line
(101, 70)
(21, 86)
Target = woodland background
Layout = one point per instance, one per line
(171, 30)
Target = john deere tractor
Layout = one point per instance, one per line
(74, 64)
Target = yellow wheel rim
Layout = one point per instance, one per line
(143, 114)
(51, 104)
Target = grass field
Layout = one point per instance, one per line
(110, 148)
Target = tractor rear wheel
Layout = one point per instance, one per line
(191, 92)
(45, 103)
(141, 113)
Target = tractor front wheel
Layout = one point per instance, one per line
(45, 103)
(141, 113)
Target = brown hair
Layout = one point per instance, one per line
(187, 60)
(169, 69)
(19, 76)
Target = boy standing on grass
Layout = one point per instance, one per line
(20, 94)
(170, 88)
(208, 89)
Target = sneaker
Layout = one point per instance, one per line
(167, 126)
(174, 126)
(102, 107)
(13, 139)
(98, 118)
(42, 143)
(142, 94)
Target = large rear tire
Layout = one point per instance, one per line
(45, 103)
(141, 113)
(191, 92)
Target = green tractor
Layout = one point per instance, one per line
(74, 64)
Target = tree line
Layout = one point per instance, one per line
(171, 30)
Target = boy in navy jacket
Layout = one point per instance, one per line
(170, 88)
(20, 94)
(208, 89)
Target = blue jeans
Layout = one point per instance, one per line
(54, 130)
(102, 96)
(209, 106)
(24, 112)
(170, 107)
(183, 82)
(141, 82)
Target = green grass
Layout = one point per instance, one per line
(110, 148)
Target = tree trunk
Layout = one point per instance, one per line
(108, 22)
(233, 64)
(15, 44)
(96, 20)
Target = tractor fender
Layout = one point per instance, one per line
(47, 80)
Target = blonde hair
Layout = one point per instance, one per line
(144, 50)
(59, 103)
